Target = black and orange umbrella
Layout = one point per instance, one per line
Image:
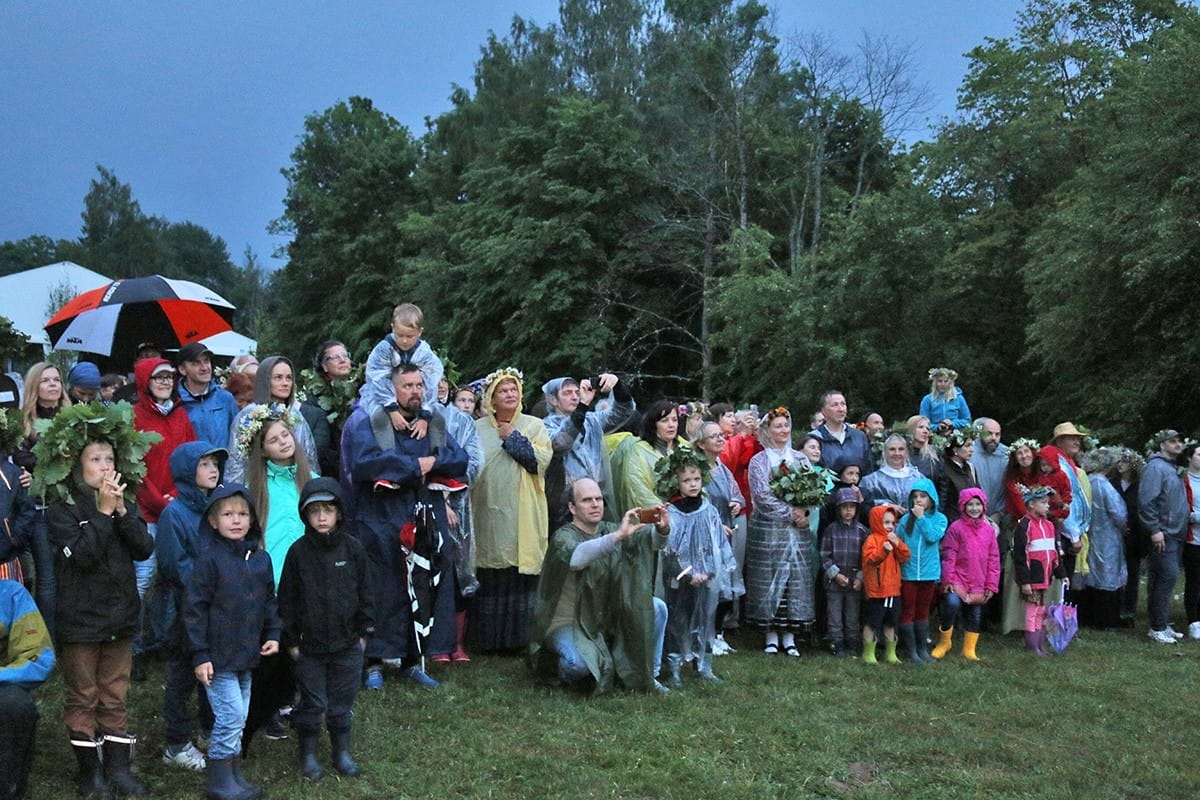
(116, 318)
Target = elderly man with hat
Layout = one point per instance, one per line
(210, 408)
(577, 432)
(1163, 510)
(1066, 445)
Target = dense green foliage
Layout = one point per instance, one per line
(668, 190)
(664, 190)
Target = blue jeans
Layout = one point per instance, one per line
(952, 606)
(229, 697)
(144, 570)
(571, 666)
(1162, 570)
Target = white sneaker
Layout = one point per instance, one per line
(1162, 637)
(1194, 630)
(187, 757)
(1174, 632)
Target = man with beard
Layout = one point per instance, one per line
(989, 460)
(389, 470)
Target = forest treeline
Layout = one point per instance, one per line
(674, 191)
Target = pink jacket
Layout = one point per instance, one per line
(970, 554)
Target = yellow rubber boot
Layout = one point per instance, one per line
(969, 641)
(868, 653)
(945, 642)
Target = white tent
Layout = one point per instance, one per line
(230, 343)
(31, 297)
(26, 297)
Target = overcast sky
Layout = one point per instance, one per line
(198, 105)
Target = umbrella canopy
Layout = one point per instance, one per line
(114, 319)
(1060, 622)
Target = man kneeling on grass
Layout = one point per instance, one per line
(596, 617)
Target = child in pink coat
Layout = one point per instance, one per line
(970, 572)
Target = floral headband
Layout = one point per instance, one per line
(943, 372)
(249, 426)
(960, 437)
(1032, 444)
(498, 375)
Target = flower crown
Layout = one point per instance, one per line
(666, 470)
(249, 426)
(963, 436)
(687, 410)
(498, 375)
(63, 438)
(1031, 493)
(1032, 444)
(943, 372)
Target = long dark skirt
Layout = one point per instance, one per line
(502, 612)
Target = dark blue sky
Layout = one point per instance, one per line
(198, 105)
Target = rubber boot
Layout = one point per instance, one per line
(220, 784)
(921, 635)
(1031, 642)
(674, 662)
(1042, 646)
(118, 758)
(91, 775)
(460, 655)
(309, 766)
(909, 643)
(945, 642)
(969, 642)
(704, 669)
(889, 651)
(339, 748)
(241, 780)
(868, 652)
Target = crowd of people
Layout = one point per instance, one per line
(279, 539)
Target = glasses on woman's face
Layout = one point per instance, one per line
(335, 357)
(163, 377)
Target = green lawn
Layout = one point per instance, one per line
(1115, 717)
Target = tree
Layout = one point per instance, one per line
(117, 238)
(349, 190)
(1112, 271)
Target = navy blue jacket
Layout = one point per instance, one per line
(230, 610)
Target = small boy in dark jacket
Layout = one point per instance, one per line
(231, 618)
(326, 603)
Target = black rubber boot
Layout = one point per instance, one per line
(220, 784)
(118, 760)
(309, 766)
(255, 791)
(908, 643)
(91, 775)
(339, 746)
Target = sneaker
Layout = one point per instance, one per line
(1174, 632)
(1194, 631)
(720, 647)
(420, 677)
(444, 484)
(276, 729)
(187, 756)
(1162, 637)
(374, 678)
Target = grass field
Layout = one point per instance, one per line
(1116, 716)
